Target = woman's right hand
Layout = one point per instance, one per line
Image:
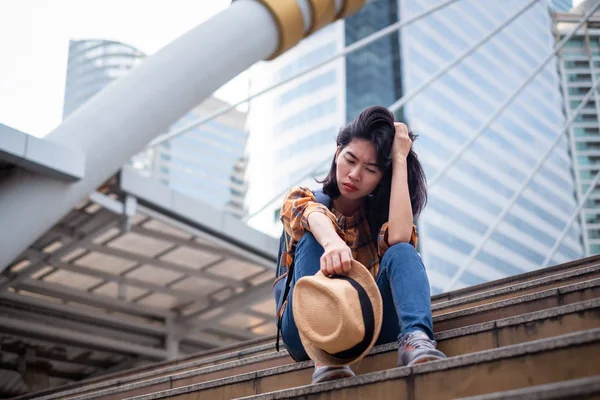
(337, 259)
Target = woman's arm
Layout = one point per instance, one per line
(301, 212)
(336, 259)
(322, 228)
(400, 218)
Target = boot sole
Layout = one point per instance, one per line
(333, 375)
(422, 359)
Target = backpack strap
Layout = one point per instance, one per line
(326, 201)
(322, 198)
(288, 284)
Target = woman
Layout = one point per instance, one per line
(377, 187)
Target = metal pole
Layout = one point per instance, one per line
(63, 335)
(172, 341)
(122, 119)
(119, 121)
(517, 194)
(573, 149)
(588, 45)
(571, 220)
(348, 50)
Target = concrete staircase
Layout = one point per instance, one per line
(535, 335)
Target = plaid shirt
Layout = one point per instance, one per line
(354, 230)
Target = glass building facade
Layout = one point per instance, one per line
(92, 65)
(464, 203)
(475, 190)
(293, 128)
(207, 163)
(580, 69)
(561, 5)
(373, 73)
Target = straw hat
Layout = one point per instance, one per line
(339, 318)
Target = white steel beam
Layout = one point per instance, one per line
(78, 296)
(237, 303)
(46, 332)
(348, 50)
(138, 258)
(105, 221)
(123, 118)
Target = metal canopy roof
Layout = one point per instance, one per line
(40, 155)
(135, 273)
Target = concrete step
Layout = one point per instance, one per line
(584, 388)
(545, 361)
(546, 299)
(521, 278)
(208, 357)
(276, 371)
(563, 278)
(531, 283)
(159, 373)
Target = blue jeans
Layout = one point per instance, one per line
(402, 282)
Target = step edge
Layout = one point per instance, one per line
(127, 380)
(574, 308)
(519, 300)
(535, 316)
(575, 287)
(172, 378)
(582, 306)
(497, 304)
(555, 390)
(145, 369)
(556, 269)
(558, 342)
(100, 382)
(516, 287)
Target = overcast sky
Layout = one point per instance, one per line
(34, 39)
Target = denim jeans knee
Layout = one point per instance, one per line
(399, 251)
(409, 286)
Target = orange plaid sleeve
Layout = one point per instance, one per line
(299, 203)
(382, 240)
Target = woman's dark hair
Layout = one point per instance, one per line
(376, 125)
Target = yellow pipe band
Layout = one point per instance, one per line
(350, 7)
(323, 13)
(290, 23)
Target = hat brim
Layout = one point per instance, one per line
(360, 274)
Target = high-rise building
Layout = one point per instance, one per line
(92, 65)
(475, 190)
(580, 67)
(373, 73)
(207, 163)
(562, 5)
(463, 203)
(293, 127)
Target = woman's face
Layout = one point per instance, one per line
(357, 172)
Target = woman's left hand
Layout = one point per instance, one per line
(402, 143)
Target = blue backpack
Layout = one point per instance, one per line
(283, 276)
